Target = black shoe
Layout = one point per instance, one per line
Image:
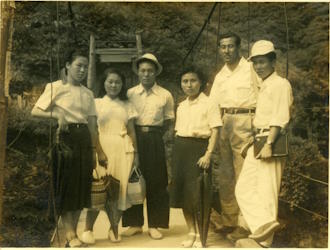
(224, 229)
(237, 234)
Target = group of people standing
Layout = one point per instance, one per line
(125, 128)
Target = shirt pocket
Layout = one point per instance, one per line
(243, 92)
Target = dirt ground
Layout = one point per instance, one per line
(172, 236)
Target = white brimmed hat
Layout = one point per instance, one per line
(261, 47)
(148, 57)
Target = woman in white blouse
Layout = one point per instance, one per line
(72, 105)
(197, 128)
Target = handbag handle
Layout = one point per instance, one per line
(97, 174)
(136, 170)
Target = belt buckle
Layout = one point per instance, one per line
(145, 129)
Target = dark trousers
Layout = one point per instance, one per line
(153, 168)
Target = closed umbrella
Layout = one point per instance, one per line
(111, 205)
(60, 160)
(204, 185)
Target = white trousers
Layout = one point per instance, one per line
(257, 191)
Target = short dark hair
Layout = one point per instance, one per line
(231, 34)
(271, 56)
(123, 92)
(72, 54)
(199, 72)
(146, 60)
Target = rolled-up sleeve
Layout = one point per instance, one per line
(46, 98)
(92, 108)
(213, 113)
(282, 101)
(169, 108)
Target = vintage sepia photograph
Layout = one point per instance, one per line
(164, 124)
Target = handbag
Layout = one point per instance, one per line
(99, 192)
(280, 146)
(136, 188)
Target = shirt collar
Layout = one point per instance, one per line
(265, 82)
(241, 62)
(196, 100)
(154, 89)
(269, 78)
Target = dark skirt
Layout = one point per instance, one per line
(75, 179)
(184, 188)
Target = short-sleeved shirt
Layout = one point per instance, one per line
(114, 114)
(196, 118)
(153, 106)
(234, 89)
(76, 102)
(274, 102)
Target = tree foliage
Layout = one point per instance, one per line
(45, 30)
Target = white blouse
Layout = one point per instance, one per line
(75, 102)
(196, 118)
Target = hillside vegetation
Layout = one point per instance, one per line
(169, 30)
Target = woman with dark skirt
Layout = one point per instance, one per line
(72, 105)
(197, 128)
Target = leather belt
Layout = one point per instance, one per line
(148, 129)
(76, 125)
(234, 111)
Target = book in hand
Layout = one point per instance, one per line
(246, 147)
(279, 147)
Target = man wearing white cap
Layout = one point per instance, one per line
(155, 107)
(233, 90)
(259, 183)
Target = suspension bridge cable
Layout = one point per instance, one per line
(248, 23)
(312, 179)
(304, 209)
(218, 34)
(200, 32)
(287, 39)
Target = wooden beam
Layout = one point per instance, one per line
(138, 43)
(6, 29)
(91, 66)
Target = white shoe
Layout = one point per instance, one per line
(132, 231)
(197, 243)
(155, 234)
(189, 241)
(112, 237)
(88, 237)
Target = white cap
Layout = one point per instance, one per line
(149, 57)
(261, 47)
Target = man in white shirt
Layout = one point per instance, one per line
(259, 184)
(155, 107)
(235, 92)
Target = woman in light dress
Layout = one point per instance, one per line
(115, 118)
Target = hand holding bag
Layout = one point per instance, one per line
(99, 192)
(136, 188)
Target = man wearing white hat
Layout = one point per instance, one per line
(155, 107)
(234, 91)
(259, 183)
